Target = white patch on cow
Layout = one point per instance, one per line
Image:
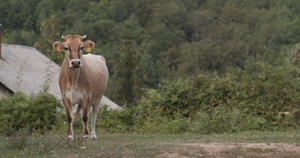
(74, 97)
(77, 97)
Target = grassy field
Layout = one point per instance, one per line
(246, 144)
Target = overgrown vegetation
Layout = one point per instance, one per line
(260, 97)
(36, 112)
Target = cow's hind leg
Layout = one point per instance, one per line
(85, 117)
(93, 117)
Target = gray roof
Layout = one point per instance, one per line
(25, 69)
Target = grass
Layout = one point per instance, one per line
(246, 144)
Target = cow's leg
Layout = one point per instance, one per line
(70, 117)
(93, 118)
(85, 118)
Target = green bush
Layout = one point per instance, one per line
(36, 112)
(241, 100)
(115, 120)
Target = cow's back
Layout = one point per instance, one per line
(95, 69)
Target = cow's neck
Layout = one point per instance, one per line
(72, 76)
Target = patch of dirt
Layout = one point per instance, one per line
(248, 149)
(168, 155)
(224, 150)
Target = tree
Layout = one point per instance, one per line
(48, 35)
(128, 73)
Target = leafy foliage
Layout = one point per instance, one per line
(256, 98)
(37, 112)
(128, 72)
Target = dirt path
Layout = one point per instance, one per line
(240, 150)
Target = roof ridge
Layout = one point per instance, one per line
(17, 46)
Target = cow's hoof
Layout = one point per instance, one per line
(70, 137)
(93, 137)
(86, 136)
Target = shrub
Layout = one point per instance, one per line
(36, 112)
(241, 100)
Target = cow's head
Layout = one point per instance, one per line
(73, 46)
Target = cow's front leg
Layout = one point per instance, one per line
(70, 116)
(85, 118)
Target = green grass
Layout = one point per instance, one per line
(55, 144)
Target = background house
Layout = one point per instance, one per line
(25, 69)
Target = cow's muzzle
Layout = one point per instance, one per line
(75, 63)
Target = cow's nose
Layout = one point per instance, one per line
(75, 62)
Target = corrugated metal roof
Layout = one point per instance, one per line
(24, 68)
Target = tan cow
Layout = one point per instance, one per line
(82, 81)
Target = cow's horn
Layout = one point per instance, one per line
(61, 36)
(85, 36)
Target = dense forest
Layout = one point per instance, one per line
(149, 42)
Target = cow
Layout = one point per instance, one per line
(82, 81)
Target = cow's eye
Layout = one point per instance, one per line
(66, 48)
(81, 48)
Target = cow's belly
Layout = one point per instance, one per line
(74, 97)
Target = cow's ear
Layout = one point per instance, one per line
(58, 46)
(88, 45)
